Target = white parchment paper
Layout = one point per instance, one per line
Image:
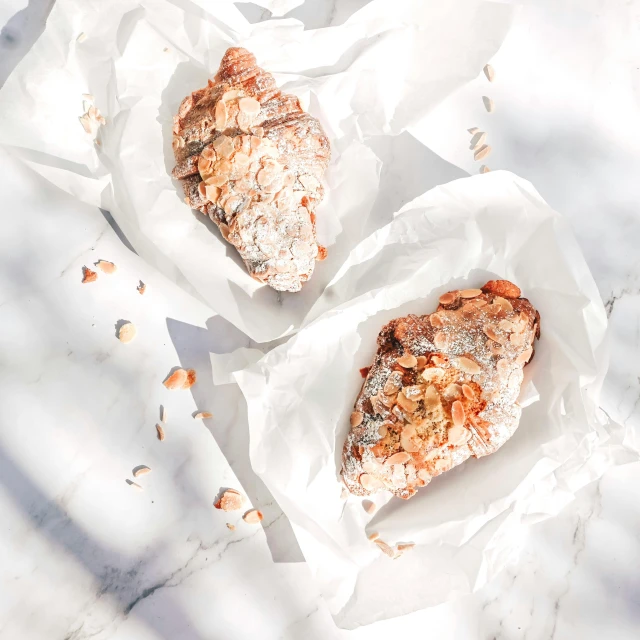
(384, 68)
(468, 523)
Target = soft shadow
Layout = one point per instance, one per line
(229, 426)
(20, 33)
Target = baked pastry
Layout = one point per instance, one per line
(252, 160)
(443, 387)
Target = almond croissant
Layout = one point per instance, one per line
(252, 160)
(443, 387)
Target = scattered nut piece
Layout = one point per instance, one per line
(141, 471)
(106, 267)
(88, 275)
(470, 293)
(405, 546)
(191, 379)
(356, 418)
(457, 413)
(489, 105)
(422, 362)
(369, 507)
(447, 298)
(478, 139)
(230, 526)
(385, 548)
(489, 71)
(373, 536)
(230, 500)
(142, 287)
(253, 517)
(468, 366)
(176, 380)
(408, 361)
(364, 371)
(203, 415)
(160, 431)
(482, 152)
(127, 332)
(484, 169)
(135, 485)
(398, 458)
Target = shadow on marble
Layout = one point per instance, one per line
(19, 34)
(229, 425)
(118, 575)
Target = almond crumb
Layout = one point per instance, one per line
(142, 287)
(127, 332)
(88, 275)
(106, 267)
(230, 500)
(163, 414)
(141, 471)
(253, 516)
(202, 415)
(160, 431)
(176, 380)
(191, 379)
(405, 546)
(373, 536)
(230, 526)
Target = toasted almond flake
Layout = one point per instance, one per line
(231, 527)
(453, 390)
(506, 325)
(438, 360)
(369, 507)
(470, 293)
(202, 189)
(106, 267)
(447, 298)
(160, 432)
(484, 169)
(371, 483)
(467, 365)
(408, 361)
(221, 115)
(503, 367)
(191, 379)
(525, 356)
(489, 72)
(141, 471)
(230, 500)
(176, 379)
(398, 458)
(127, 332)
(250, 106)
(457, 413)
(503, 303)
(385, 548)
(373, 536)
(82, 36)
(477, 140)
(407, 404)
(135, 485)
(253, 517)
(371, 466)
(203, 415)
(421, 361)
(87, 124)
(88, 275)
(489, 331)
(468, 392)
(356, 418)
(482, 152)
(517, 339)
(432, 372)
(383, 430)
(142, 287)
(489, 105)
(405, 546)
(440, 340)
(458, 435)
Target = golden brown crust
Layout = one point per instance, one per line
(252, 160)
(442, 387)
(502, 288)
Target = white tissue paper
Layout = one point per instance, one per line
(377, 73)
(470, 522)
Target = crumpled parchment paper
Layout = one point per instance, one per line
(384, 68)
(470, 522)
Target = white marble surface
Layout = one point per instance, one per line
(83, 555)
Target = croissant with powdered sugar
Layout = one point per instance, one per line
(252, 160)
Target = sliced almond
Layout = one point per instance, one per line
(489, 331)
(373, 536)
(408, 361)
(191, 379)
(477, 140)
(436, 321)
(457, 413)
(407, 404)
(176, 379)
(482, 152)
(230, 95)
(422, 361)
(221, 115)
(405, 546)
(160, 432)
(440, 340)
(250, 106)
(506, 325)
(409, 444)
(230, 500)
(525, 356)
(484, 169)
(453, 390)
(371, 483)
(447, 298)
(253, 516)
(470, 293)
(356, 418)
(503, 367)
(88, 275)
(489, 104)
(398, 458)
(127, 332)
(203, 415)
(438, 360)
(431, 398)
(231, 527)
(432, 372)
(458, 435)
(369, 507)
(141, 471)
(385, 548)
(468, 392)
(467, 365)
(496, 349)
(489, 72)
(106, 267)
(135, 485)
(504, 304)
(371, 466)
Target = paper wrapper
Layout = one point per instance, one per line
(468, 523)
(377, 73)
